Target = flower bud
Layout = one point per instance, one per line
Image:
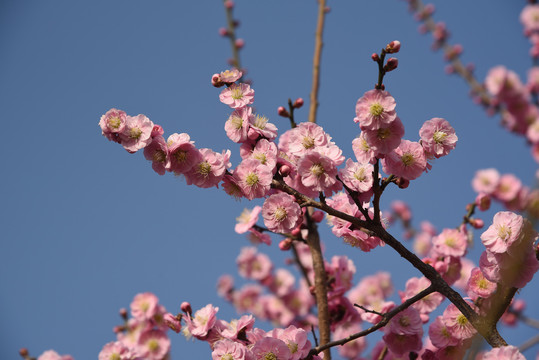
(327, 9)
(157, 131)
(186, 307)
(223, 32)
(402, 183)
(298, 103)
(229, 4)
(391, 64)
(285, 170)
(239, 43)
(23, 352)
(482, 201)
(285, 244)
(118, 329)
(123, 313)
(393, 47)
(375, 57)
(282, 112)
(477, 223)
(173, 322)
(317, 216)
(216, 80)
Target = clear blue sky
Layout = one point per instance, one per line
(85, 226)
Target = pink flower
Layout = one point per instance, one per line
(486, 181)
(281, 213)
(253, 265)
(363, 152)
(356, 176)
(153, 345)
(406, 322)
(504, 352)
(508, 187)
(318, 173)
(440, 335)
(407, 160)
(210, 170)
(112, 123)
(115, 350)
(437, 137)
(237, 95)
(478, 285)
(247, 219)
(172, 322)
(426, 305)
(53, 355)
(385, 139)
(403, 344)
(375, 109)
(505, 230)
(202, 321)
(296, 340)
(254, 178)
(450, 242)
(271, 348)
(237, 125)
(144, 306)
(137, 133)
(157, 153)
(183, 153)
(264, 151)
(352, 349)
(457, 324)
(305, 137)
(257, 237)
(230, 76)
(229, 350)
(529, 17)
(261, 127)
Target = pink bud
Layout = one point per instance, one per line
(402, 183)
(216, 80)
(391, 64)
(236, 23)
(298, 103)
(482, 201)
(186, 307)
(317, 216)
(327, 9)
(518, 305)
(375, 57)
(229, 4)
(282, 112)
(123, 313)
(285, 244)
(223, 32)
(23, 352)
(296, 231)
(118, 329)
(172, 322)
(477, 223)
(157, 131)
(240, 43)
(393, 47)
(284, 170)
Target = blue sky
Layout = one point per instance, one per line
(86, 226)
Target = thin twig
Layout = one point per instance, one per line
(316, 60)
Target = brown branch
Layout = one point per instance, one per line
(300, 265)
(316, 61)
(385, 319)
(231, 33)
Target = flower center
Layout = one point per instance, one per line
(260, 121)
(260, 157)
(504, 232)
(383, 133)
(308, 142)
(293, 347)
(227, 357)
(450, 242)
(404, 321)
(135, 133)
(270, 356)
(244, 217)
(461, 320)
(407, 159)
(360, 175)
(204, 168)
(159, 156)
(237, 122)
(439, 136)
(236, 93)
(376, 109)
(280, 214)
(482, 283)
(115, 356)
(153, 345)
(252, 179)
(115, 122)
(180, 156)
(317, 170)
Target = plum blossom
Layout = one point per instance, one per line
(478, 285)
(261, 127)
(271, 348)
(237, 95)
(318, 173)
(254, 178)
(210, 170)
(137, 133)
(237, 125)
(503, 353)
(385, 139)
(157, 152)
(112, 123)
(450, 242)
(226, 349)
(407, 160)
(375, 109)
(144, 306)
(281, 213)
(182, 153)
(437, 137)
(247, 219)
(505, 230)
(153, 345)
